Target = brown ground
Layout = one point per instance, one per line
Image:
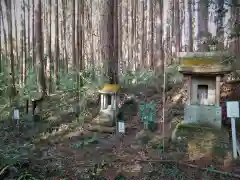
(126, 154)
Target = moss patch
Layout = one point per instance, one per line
(200, 141)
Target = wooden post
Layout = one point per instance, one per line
(217, 95)
(189, 89)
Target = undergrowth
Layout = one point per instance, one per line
(19, 154)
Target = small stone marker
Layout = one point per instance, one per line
(233, 112)
(16, 116)
(232, 109)
(121, 126)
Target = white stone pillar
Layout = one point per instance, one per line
(217, 95)
(105, 101)
(113, 101)
(189, 89)
(102, 102)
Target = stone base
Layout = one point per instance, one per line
(203, 114)
(106, 118)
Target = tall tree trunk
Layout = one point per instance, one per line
(143, 34)
(152, 35)
(220, 28)
(177, 26)
(33, 34)
(120, 37)
(4, 31)
(51, 69)
(129, 35)
(25, 43)
(1, 50)
(57, 58)
(16, 33)
(108, 38)
(159, 36)
(133, 34)
(73, 33)
(92, 42)
(39, 50)
(64, 3)
(21, 63)
(202, 16)
(115, 38)
(8, 4)
(80, 22)
(172, 10)
(235, 13)
(190, 26)
(29, 33)
(81, 35)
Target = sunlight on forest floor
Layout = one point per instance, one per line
(61, 145)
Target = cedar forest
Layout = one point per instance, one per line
(55, 55)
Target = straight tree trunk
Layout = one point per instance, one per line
(21, 63)
(25, 43)
(57, 52)
(50, 46)
(120, 37)
(177, 27)
(64, 3)
(33, 33)
(220, 28)
(1, 51)
(190, 26)
(142, 49)
(4, 31)
(202, 16)
(108, 39)
(73, 33)
(159, 36)
(8, 4)
(152, 36)
(29, 33)
(16, 33)
(39, 50)
(115, 38)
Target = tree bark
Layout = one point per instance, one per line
(8, 4)
(202, 16)
(57, 52)
(190, 26)
(73, 33)
(142, 49)
(152, 63)
(177, 27)
(109, 39)
(220, 28)
(39, 50)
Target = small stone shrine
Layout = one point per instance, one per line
(108, 106)
(203, 71)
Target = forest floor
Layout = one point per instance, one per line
(61, 146)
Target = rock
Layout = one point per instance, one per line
(103, 119)
(102, 129)
(144, 136)
(132, 170)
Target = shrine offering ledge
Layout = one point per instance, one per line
(205, 69)
(202, 58)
